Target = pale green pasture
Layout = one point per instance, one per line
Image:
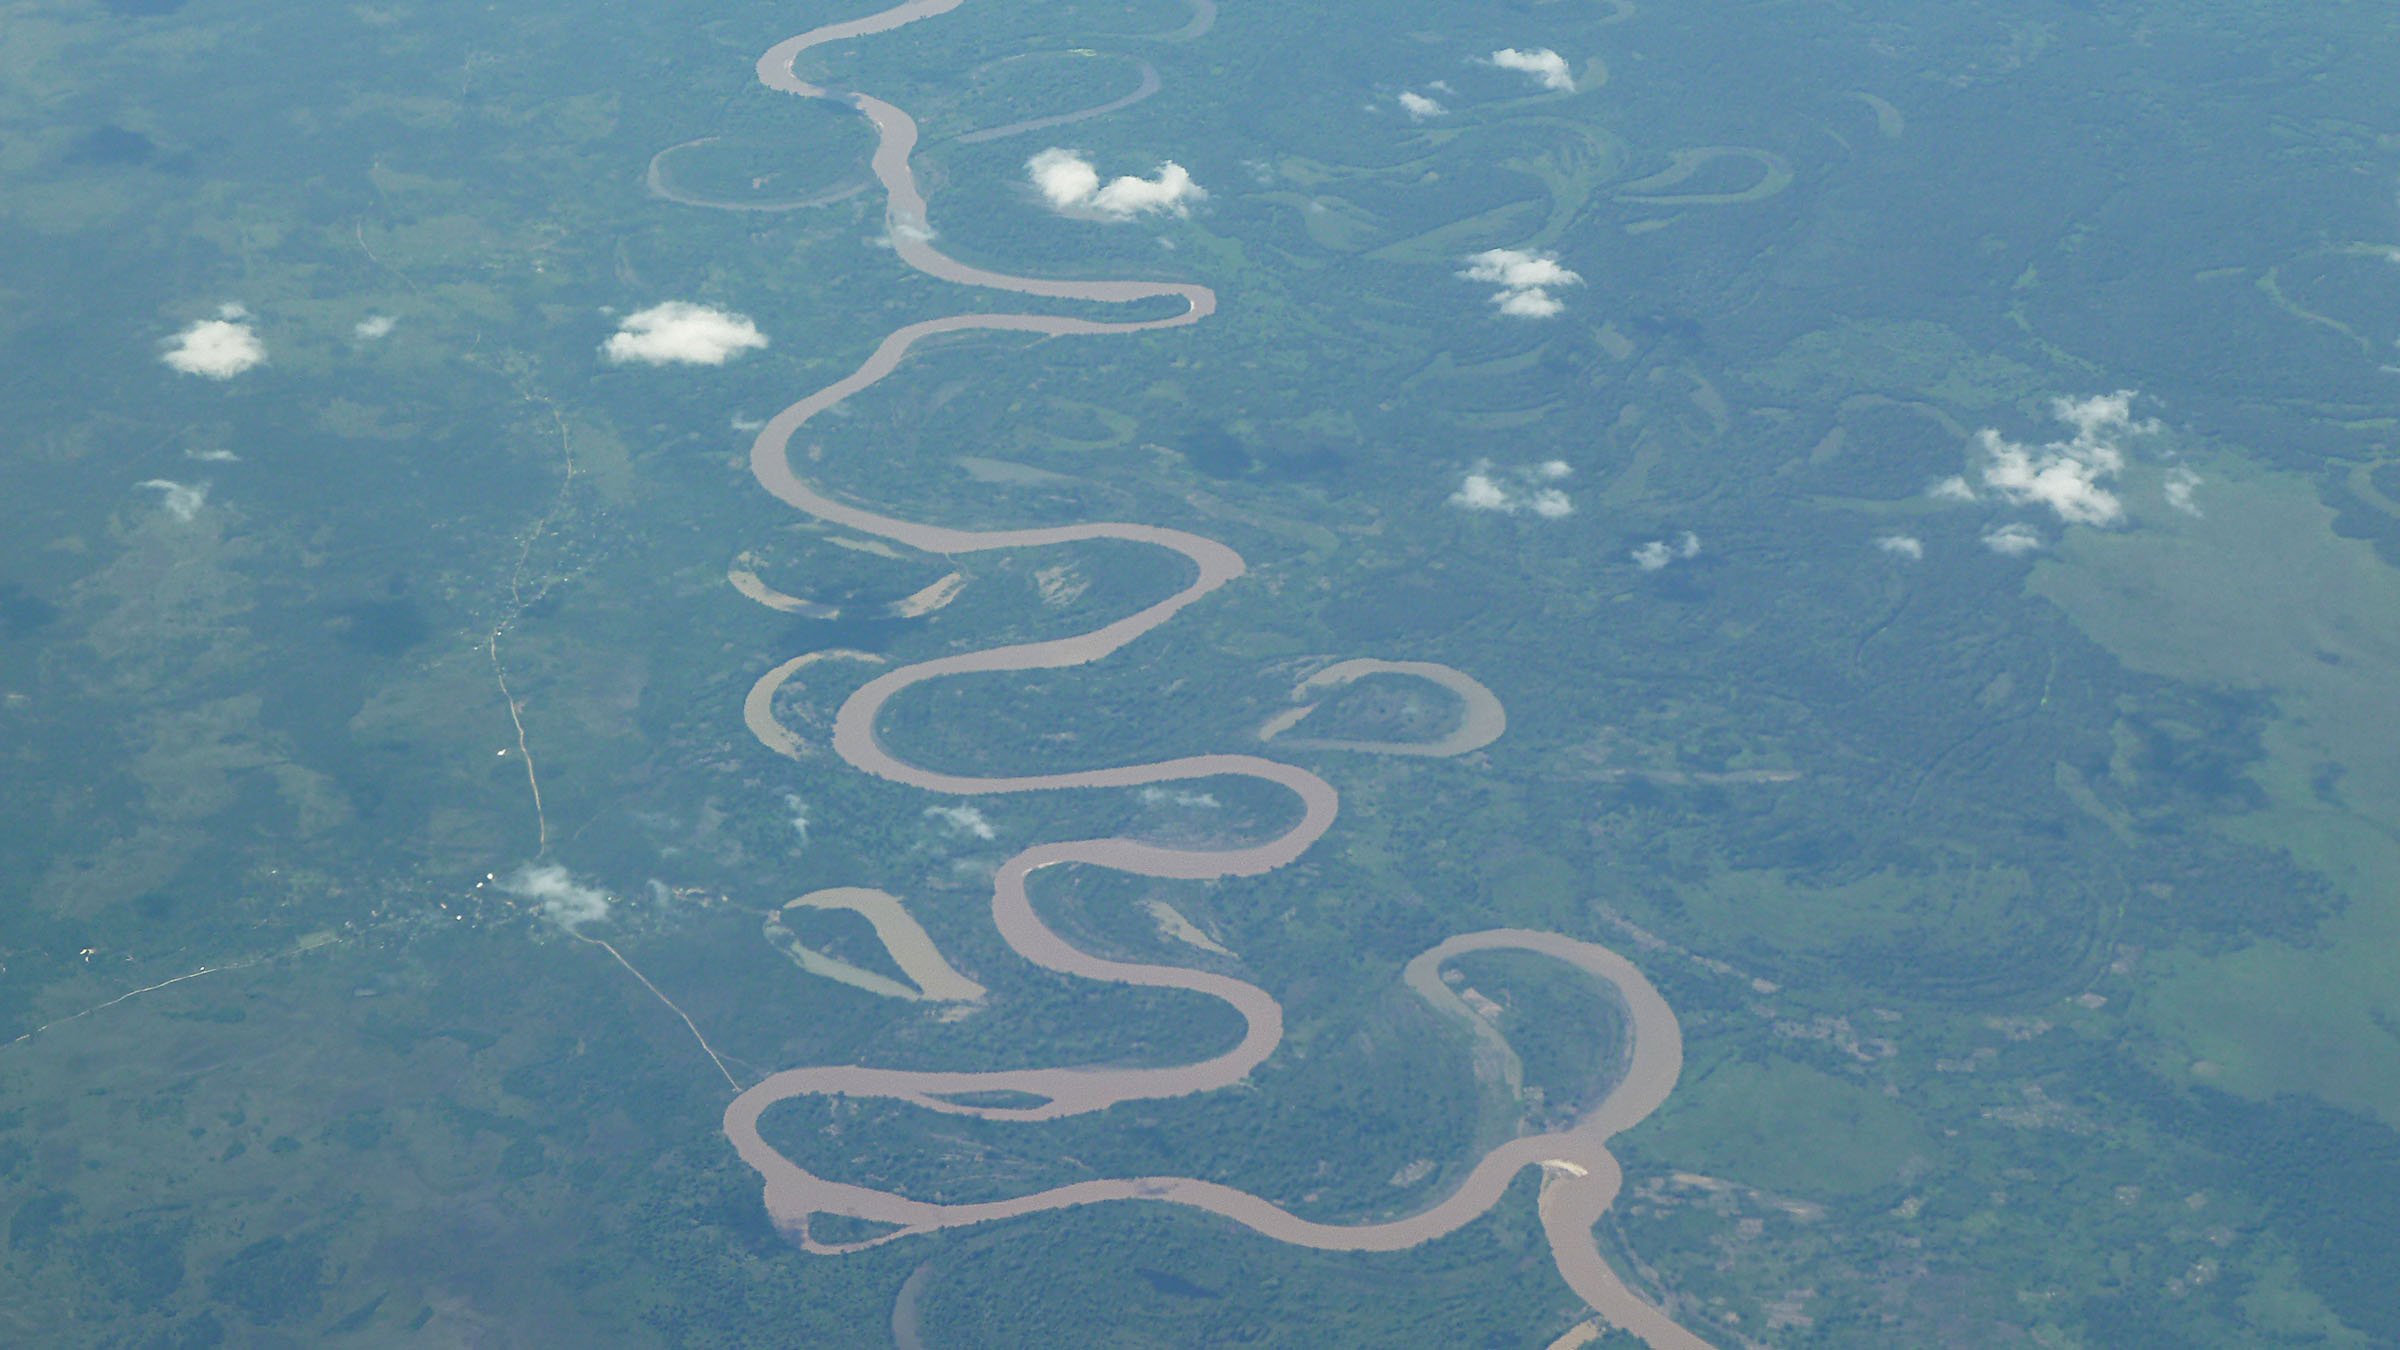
(2260, 594)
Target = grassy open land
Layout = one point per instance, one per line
(2260, 596)
(472, 1162)
(1829, 1139)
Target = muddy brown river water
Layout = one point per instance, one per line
(1580, 1177)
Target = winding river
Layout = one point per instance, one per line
(1481, 719)
(1580, 1178)
(662, 187)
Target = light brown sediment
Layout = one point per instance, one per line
(1172, 924)
(1581, 1177)
(929, 599)
(744, 577)
(758, 707)
(834, 968)
(1575, 1338)
(911, 947)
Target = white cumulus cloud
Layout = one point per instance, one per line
(1524, 280)
(219, 348)
(1547, 67)
(1902, 546)
(2178, 487)
(2069, 476)
(180, 500)
(1129, 196)
(374, 326)
(213, 456)
(1656, 554)
(964, 820)
(1481, 492)
(1420, 106)
(680, 332)
(2012, 539)
(1533, 304)
(2069, 484)
(1482, 489)
(1069, 182)
(560, 898)
(1066, 179)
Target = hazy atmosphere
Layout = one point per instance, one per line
(1171, 673)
